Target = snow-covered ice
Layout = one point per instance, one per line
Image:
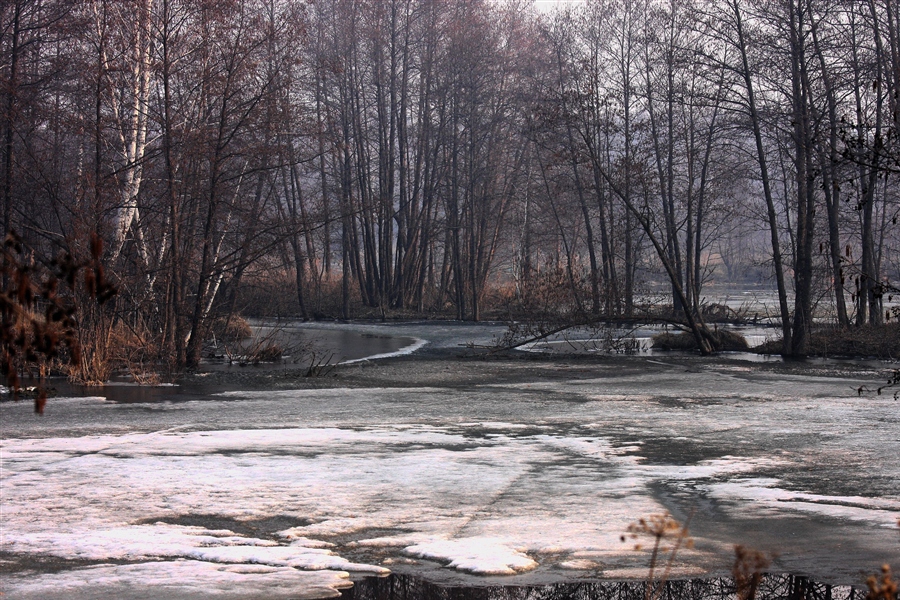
(182, 579)
(287, 493)
(479, 555)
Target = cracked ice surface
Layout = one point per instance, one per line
(533, 480)
(183, 579)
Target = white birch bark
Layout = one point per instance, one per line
(130, 114)
(213, 289)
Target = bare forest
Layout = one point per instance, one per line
(466, 158)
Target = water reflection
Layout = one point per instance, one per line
(773, 587)
(332, 345)
(636, 340)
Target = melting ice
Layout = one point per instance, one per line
(288, 493)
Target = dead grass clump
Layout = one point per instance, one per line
(876, 341)
(870, 341)
(673, 341)
(97, 360)
(730, 341)
(264, 353)
(137, 351)
(723, 340)
(231, 329)
(110, 347)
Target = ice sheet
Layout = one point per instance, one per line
(479, 555)
(291, 489)
(183, 579)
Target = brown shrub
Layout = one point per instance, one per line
(137, 351)
(267, 353)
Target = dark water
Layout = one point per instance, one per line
(303, 343)
(771, 587)
(303, 346)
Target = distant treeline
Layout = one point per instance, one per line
(454, 155)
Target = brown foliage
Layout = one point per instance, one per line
(668, 537)
(39, 323)
(748, 570)
(884, 587)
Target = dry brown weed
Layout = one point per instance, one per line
(668, 537)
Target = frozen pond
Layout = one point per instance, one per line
(303, 343)
(463, 471)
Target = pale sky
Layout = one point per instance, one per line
(551, 4)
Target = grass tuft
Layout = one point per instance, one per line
(869, 341)
(722, 340)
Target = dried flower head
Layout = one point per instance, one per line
(661, 527)
(884, 587)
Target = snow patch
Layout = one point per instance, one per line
(765, 493)
(417, 344)
(162, 540)
(299, 557)
(580, 564)
(183, 579)
(481, 556)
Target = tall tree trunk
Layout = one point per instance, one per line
(755, 120)
(802, 139)
(829, 161)
(9, 119)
